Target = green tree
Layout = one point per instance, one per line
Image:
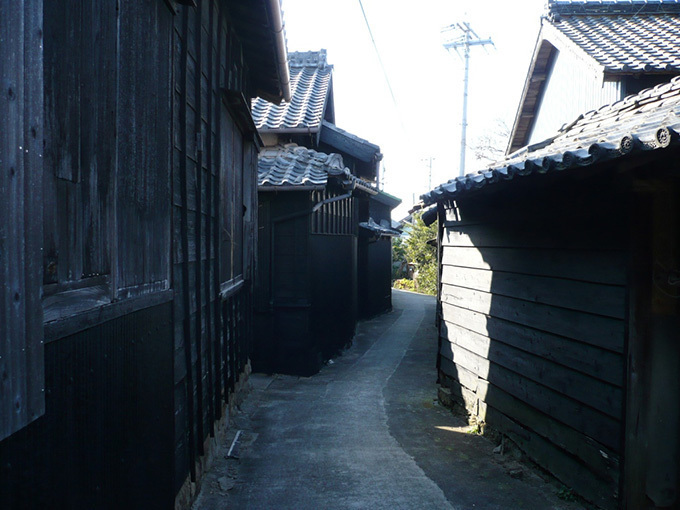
(423, 255)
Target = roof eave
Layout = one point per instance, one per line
(291, 187)
(285, 130)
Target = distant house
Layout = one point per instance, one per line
(127, 241)
(593, 53)
(559, 299)
(342, 228)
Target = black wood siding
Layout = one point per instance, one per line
(21, 332)
(148, 247)
(533, 303)
(307, 291)
(105, 440)
(214, 210)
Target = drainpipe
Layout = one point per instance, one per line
(281, 52)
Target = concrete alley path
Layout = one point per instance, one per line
(367, 432)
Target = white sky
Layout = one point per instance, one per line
(427, 80)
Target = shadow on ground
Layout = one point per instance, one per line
(367, 432)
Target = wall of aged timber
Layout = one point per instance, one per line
(374, 263)
(141, 193)
(22, 397)
(214, 211)
(532, 329)
(306, 295)
(105, 440)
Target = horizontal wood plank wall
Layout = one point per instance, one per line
(532, 332)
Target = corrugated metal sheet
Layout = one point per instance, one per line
(644, 122)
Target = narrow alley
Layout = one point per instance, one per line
(367, 432)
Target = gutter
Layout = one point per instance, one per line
(281, 51)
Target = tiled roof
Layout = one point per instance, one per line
(612, 6)
(310, 82)
(623, 37)
(349, 143)
(292, 165)
(647, 121)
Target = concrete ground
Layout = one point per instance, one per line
(367, 432)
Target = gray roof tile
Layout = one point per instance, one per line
(310, 81)
(351, 144)
(647, 121)
(623, 36)
(382, 229)
(292, 165)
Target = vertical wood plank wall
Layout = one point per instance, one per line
(213, 250)
(532, 330)
(140, 249)
(22, 398)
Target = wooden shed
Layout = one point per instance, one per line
(127, 241)
(559, 316)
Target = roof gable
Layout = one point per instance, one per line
(311, 96)
(616, 38)
(647, 121)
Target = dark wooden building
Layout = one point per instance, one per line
(559, 316)
(307, 265)
(341, 270)
(374, 256)
(127, 241)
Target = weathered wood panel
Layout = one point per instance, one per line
(607, 267)
(602, 428)
(143, 180)
(595, 330)
(21, 145)
(597, 394)
(599, 363)
(80, 102)
(532, 331)
(212, 318)
(587, 297)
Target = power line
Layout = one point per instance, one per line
(382, 66)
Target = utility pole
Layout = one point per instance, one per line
(429, 178)
(465, 37)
